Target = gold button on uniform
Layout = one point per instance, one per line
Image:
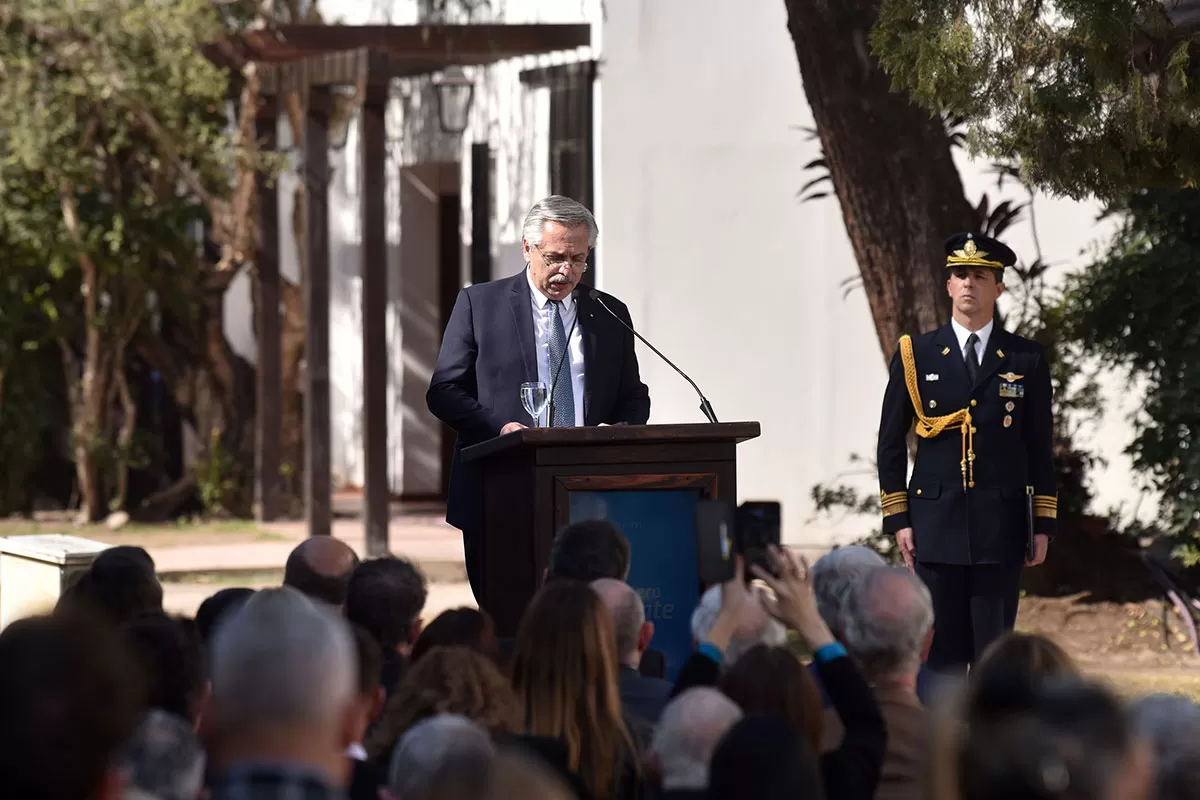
(918, 491)
(974, 403)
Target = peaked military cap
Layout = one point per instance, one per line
(977, 250)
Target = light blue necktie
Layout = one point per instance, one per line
(562, 397)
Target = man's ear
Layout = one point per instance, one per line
(999, 288)
(111, 787)
(645, 635)
(378, 703)
(926, 645)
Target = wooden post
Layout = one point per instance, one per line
(373, 207)
(318, 488)
(268, 441)
(481, 213)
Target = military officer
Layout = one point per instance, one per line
(982, 500)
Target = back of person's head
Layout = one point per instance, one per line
(516, 774)
(69, 698)
(834, 573)
(319, 568)
(163, 760)
(445, 757)
(458, 627)
(756, 627)
(887, 619)
(385, 596)
(629, 618)
(119, 585)
(1029, 655)
(687, 734)
(370, 661)
(1171, 724)
(589, 550)
(448, 680)
(171, 658)
(764, 757)
(217, 607)
(565, 672)
(790, 691)
(1047, 739)
(283, 664)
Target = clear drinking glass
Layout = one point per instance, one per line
(534, 397)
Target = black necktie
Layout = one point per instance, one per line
(972, 358)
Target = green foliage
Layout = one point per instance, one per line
(1095, 96)
(1137, 309)
(214, 476)
(114, 144)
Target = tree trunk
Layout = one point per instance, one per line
(891, 166)
(214, 389)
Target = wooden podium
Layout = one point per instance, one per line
(643, 478)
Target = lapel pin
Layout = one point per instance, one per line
(945, 351)
(1011, 376)
(1010, 405)
(933, 403)
(1000, 353)
(932, 376)
(1008, 422)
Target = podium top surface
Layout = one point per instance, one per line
(614, 434)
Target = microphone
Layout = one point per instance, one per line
(561, 359)
(705, 406)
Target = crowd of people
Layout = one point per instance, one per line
(804, 683)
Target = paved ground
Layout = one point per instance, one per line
(185, 598)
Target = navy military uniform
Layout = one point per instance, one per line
(984, 458)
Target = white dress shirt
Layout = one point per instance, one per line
(983, 333)
(543, 315)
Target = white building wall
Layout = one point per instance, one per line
(699, 107)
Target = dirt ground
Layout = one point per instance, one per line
(1139, 648)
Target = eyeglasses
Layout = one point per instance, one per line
(558, 260)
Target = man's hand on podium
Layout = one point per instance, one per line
(511, 427)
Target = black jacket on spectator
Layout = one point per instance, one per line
(641, 696)
(852, 771)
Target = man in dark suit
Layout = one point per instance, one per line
(533, 326)
(980, 398)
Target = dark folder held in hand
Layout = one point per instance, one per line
(1029, 548)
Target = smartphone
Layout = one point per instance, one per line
(758, 527)
(715, 541)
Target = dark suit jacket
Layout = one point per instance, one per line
(488, 351)
(641, 696)
(1013, 440)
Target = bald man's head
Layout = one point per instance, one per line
(320, 567)
(629, 619)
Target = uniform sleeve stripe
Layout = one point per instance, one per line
(892, 511)
(1045, 513)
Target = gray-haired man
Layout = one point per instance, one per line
(534, 326)
(887, 627)
(284, 701)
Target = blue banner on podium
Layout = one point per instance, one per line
(661, 529)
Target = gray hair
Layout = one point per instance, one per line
(887, 617)
(766, 630)
(445, 756)
(834, 573)
(163, 760)
(281, 660)
(1172, 725)
(628, 612)
(687, 734)
(557, 208)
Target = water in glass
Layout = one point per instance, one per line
(534, 397)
